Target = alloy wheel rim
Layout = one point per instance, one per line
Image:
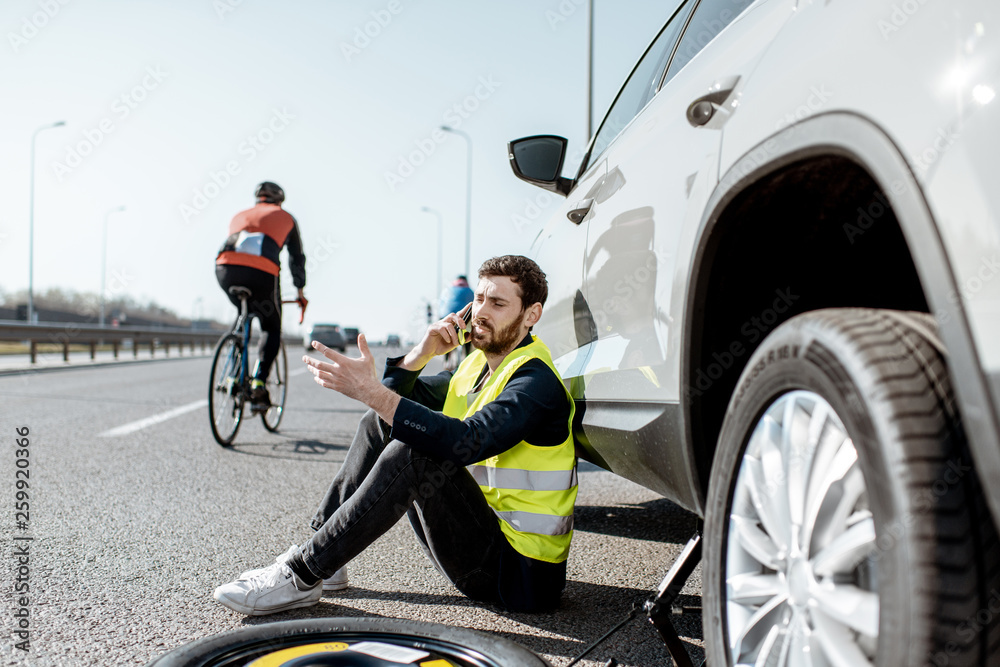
(801, 564)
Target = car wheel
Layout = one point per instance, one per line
(845, 524)
(354, 642)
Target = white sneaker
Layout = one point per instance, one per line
(275, 589)
(335, 582)
(283, 558)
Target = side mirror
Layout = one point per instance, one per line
(539, 160)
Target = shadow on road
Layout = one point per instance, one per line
(295, 449)
(587, 611)
(656, 520)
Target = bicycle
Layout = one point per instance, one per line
(229, 383)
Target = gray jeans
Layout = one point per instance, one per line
(382, 479)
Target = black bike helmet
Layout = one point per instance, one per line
(270, 192)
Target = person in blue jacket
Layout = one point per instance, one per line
(453, 299)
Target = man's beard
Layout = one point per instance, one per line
(502, 341)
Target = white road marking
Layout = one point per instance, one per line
(298, 371)
(132, 427)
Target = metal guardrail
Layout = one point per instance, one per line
(92, 335)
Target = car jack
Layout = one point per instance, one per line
(660, 608)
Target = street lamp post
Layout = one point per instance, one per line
(31, 223)
(468, 190)
(590, 68)
(440, 245)
(104, 259)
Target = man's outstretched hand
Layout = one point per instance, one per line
(354, 378)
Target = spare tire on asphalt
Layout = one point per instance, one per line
(362, 642)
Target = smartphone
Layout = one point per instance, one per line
(461, 332)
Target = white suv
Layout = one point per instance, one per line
(774, 296)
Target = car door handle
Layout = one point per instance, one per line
(704, 108)
(580, 211)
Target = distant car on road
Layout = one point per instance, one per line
(392, 340)
(328, 334)
(351, 335)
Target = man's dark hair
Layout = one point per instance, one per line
(521, 271)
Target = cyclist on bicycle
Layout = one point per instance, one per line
(250, 258)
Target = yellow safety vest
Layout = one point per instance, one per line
(532, 489)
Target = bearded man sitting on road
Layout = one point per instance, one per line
(481, 461)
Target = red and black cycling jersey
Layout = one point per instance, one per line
(256, 237)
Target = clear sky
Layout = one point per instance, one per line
(176, 110)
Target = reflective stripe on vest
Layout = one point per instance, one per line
(532, 489)
(527, 480)
(542, 524)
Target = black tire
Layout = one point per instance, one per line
(225, 394)
(932, 557)
(463, 647)
(277, 389)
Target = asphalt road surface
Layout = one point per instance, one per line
(136, 515)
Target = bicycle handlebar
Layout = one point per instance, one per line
(303, 302)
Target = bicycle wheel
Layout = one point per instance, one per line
(225, 394)
(277, 389)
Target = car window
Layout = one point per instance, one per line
(640, 86)
(710, 18)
